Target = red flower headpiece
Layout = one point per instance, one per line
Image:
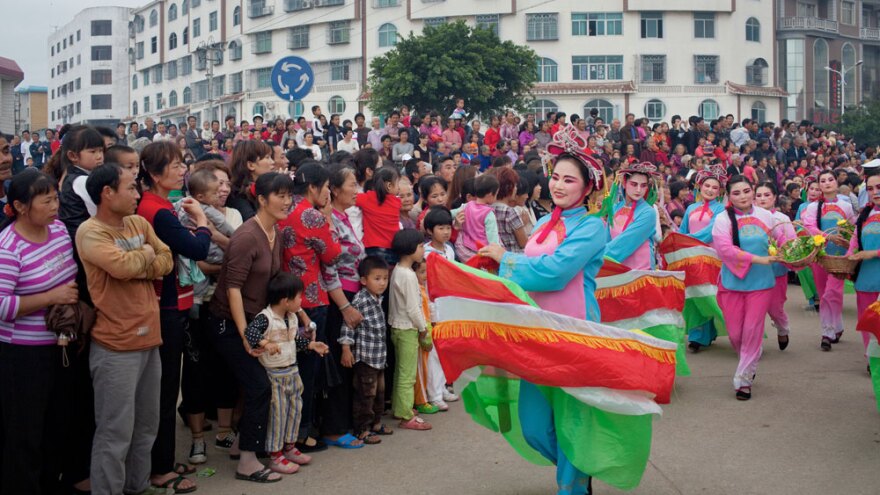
(716, 172)
(7, 210)
(809, 180)
(646, 168)
(568, 141)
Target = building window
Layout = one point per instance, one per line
(171, 69)
(184, 7)
(79, 59)
(597, 68)
(258, 8)
(212, 21)
(756, 72)
(435, 21)
(605, 108)
(185, 35)
(102, 28)
(235, 50)
(759, 111)
(848, 13)
(186, 67)
(52, 49)
(159, 105)
(820, 75)
(102, 76)
(235, 83)
(197, 27)
(652, 24)
(154, 18)
(328, 3)
(263, 42)
(339, 32)
(157, 74)
(655, 110)
(79, 107)
(172, 99)
(709, 109)
(542, 27)
(753, 30)
(196, 3)
(78, 83)
(102, 53)
(381, 4)
(387, 35)
(488, 21)
(187, 96)
(849, 82)
(139, 50)
(653, 68)
(236, 16)
(336, 105)
(259, 109)
(339, 70)
(146, 75)
(542, 107)
(597, 24)
(172, 12)
(298, 37)
(154, 44)
(172, 41)
(704, 24)
(294, 5)
(146, 103)
(102, 102)
(295, 109)
(78, 34)
(53, 114)
(792, 61)
(705, 69)
(264, 78)
(134, 82)
(52, 73)
(806, 9)
(548, 70)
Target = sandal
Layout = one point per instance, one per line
(261, 476)
(174, 484)
(344, 442)
(382, 430)
(319, 446)
(369, 438)
(281, 465)
(183, 470)
(415, 423)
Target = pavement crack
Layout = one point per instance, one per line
(667, 478)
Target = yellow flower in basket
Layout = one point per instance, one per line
(772, 250)
(841, 222)
(819, 240)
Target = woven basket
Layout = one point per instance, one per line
(806, 260)
(838, 265)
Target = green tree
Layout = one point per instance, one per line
(861, 123)
(431, 70)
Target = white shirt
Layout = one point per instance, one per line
(316, 151)
(26, 149)
(448, 251)
(350, 146)
(159, 137)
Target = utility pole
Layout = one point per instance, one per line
(210, 51)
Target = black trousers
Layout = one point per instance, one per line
(336, 406)
(207, 382)
(174, 326)
(252, 381)
(30, 384)
(311, 371)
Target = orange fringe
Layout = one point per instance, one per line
(696, 260)
(639, 284)
(465, 329)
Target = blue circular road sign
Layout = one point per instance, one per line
(292, 78)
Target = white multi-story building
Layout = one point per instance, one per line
(619, 56)
(88, 68)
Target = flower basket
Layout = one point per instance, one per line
(838, 265)
(801, 251)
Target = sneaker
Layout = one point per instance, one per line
(449, 397)
(440, 405)
(836, 338)
(197, 453)
(226, 442)
(427, 409)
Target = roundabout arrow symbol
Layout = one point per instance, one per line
(284, 88)
(286, 66)
(303, 80)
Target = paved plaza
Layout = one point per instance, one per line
(811, 428)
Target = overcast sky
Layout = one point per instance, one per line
(26, 27)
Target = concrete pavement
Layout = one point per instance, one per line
(812, 427)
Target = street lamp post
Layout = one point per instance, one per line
(842, 74)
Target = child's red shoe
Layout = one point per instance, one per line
(293, 454)
(280, 464)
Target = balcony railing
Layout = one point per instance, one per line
(260, 10)
(802, 23)
(870, 34)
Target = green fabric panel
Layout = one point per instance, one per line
(699, 310)
(875, 378)
(672, 333)
(808, 285)
(611, 447)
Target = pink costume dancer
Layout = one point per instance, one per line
(818, 217)
(634, 222)
(473, 233)
(741, 238)
(865, 246)
(765, 197)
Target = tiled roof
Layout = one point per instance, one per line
(10, 70)
(584, 88)
(743, 89)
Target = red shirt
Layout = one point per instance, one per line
(307, 243)
(381, 222)
(491, 138)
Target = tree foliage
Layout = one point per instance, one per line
(431, 70)
(862, 123)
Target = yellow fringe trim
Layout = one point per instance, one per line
(696, 260)
(638, 284)
(465, 329)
